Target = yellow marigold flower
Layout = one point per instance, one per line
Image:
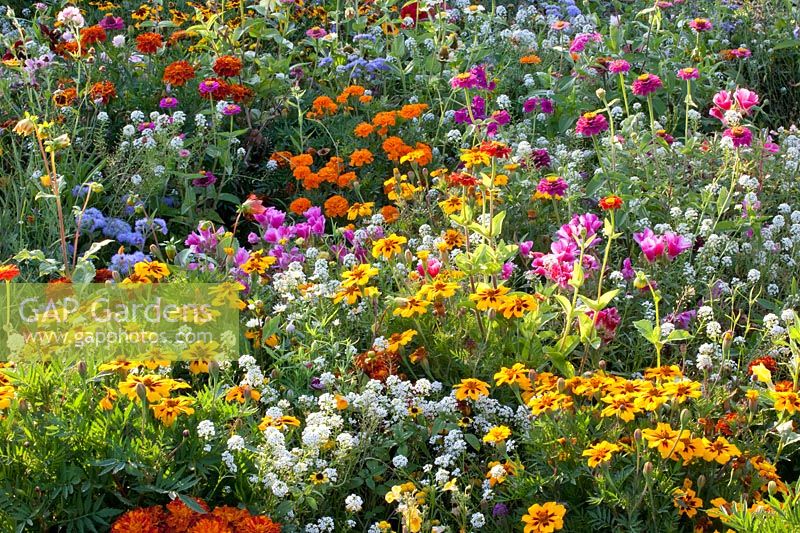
(400, 339)
(473, 157)
(360, 210)
(663, 438)
(650, 399)
(154, 387)
(720, 450)
(489, 297)
(544, 518)
(437, 289)
(518, 372)
(621, 406)
(518, 304)
(680, 391)
(388, 246)
(240, 393)
(686, 500)
(408, 307)
(471, 388)
(497, 435)
(600, 453)
(281, 422)
(154, 270)
(548, 402)
(663, 372)
(453, 204)
(359, 275)
(107, 403)
(169, 409)
(787, 401)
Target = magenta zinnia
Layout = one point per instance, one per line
(591, 124)
(646, 84)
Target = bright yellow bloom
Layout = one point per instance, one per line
(350, 294)
(154, 270)
(153, 386)
(720, 450)
(169, 409)
(518, 372)
(663, 438)
(359, 275)
(388, 246)
(787, 401)
(241, 393)
(686, 500)
(544, 518)
(518, 304)
(621, 406)
(474, 157)
(437, 289)
(360, 210)
(471, 388)
(497, 435)
(680, 391)
(600, 453)
(281, 422)
(489, 297)
(454, 204)
(408, 307)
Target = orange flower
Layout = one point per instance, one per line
(361, 157)
(227, 66)
(390, 213)
(610, 202)
(323, 105)
(363, 130)
(145, 520)
(383, 120)
(258, 524)
(336, 206)
(395, 148)
(8, 272)
(149, 43)
(410, 111)
(210, 525)
(178, 73)
(240, 93)
(344, 179)
(103, 91)
(532, 59)
(300, 206)
(301, 160)
(91, 35)
(65, 97)
(353, 90)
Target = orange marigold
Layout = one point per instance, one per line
(149, 42)
(240, 93)
(395, 148)
(410, 111)
(103, 91)
(178, 73)
(323, 105)
(361, 157)
(383, 120)
(301, 160)
(91, 35)
(231, 515)
(300, 205)
(210, 524)
(336, 206)
(532, 59)
(353, 90)
(145, 520)
(390, 213)
(258, 524)
(227, 66)
(180, 517)
(345, 179)
(65, 97)
(363, 130)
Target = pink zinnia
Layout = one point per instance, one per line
(316, 32)
(551, 188)
(208, 86)
(646, 84)
(740, 135)
(591, 124)
(168, 102)
(619, 66)
(700, 24)
(688, 73)
(741, 52)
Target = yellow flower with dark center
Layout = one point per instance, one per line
(665, 439)
(453, 204)
(680, 391)
(489, 297)
(471, 388)
(154, 270)
(360, 210)
(518, 372)
(401, 339)
(241, 393)
(787, 401)
(388, 246)
(280, 422)
(474, 157)
(621, 406)
(350, 294)
(650, 399)
(720, 450)
(544, 518)
(154, 387)
(518, 304)
(600, 453)
(408, 307)
(359, 275)
(168, 409)
(438, 289)
(317, 478)
(685, 500)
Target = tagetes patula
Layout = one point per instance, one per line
(471, 388)
(786, 401)
(201, 350)
(258, 263)
(408, 307)
(280, 422)
(437, 289)
(359, 274)
(621, 405)
(242, 393)
(680, 391)
(154, 270)
(400, 339)
(168, 409)
(497, 434)
(154, 387)
(665, 439)
(518, 304)
(600, 453)
(685, 500)
(360, 210)
(720, 450)
(454, 204)
(489, 297)
(544, 518)
(388, 246)
(227, 293)
(516, 374)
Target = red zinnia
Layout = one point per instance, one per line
(227, 66)
(178, 73)
(610, 202)
(8, 272)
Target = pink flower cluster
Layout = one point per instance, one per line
(655, 246)
(740, 101)
(557, 266)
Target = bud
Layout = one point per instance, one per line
(141, 391)
(171, 251)
(349, 13)
(82, 368)
(601, 364)
(647, 469)
(213, 369)
(701, 482)
(601, 94)
(561, 384)
(637, 435)
(772, 487)
(186, 433)
(685, 417)
(409, 256)
(275, 374)
(22, 407)
(96, 187)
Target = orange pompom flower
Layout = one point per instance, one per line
(178, 73)
(336, 206)
(227, 66)
(149, 43)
